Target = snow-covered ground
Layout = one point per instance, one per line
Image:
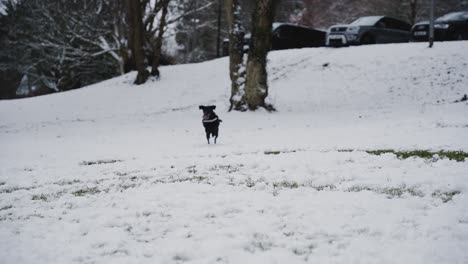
(116, 173)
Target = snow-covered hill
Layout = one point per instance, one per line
(120, 173)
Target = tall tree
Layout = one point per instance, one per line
(256, 84)
(136, 39)
(196, 31)
(413, 10)
(159, 38)
(236, 55)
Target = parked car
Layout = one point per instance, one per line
(452, 26)
(369, 30)
(287, 36)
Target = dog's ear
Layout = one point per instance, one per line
(212, 107)
(201, 107)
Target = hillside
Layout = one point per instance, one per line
(120, 173)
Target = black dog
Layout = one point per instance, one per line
(210, 122)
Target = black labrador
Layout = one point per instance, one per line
(210, 122)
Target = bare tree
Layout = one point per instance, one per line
(159, 38)
(413, 6)
(236, 55)
(61, 45)
(59, 52)
(196, 32)
(136, 38)
(256, 85)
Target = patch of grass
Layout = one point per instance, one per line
(192, 169)
(295, 185)
(276, 152)
(323, 187)
(97, 162)
(196, 178)
(459, 156)
(445, 196)
(345, 150)
(6, 207)
(14, 189)
(249, 182)
(272, 152)
(83, 192)
(38, 197)
(286, 184)
(180, 257)
(127, 186)
(229, 168)
(305, 251)
(260, 242)
(64, 182)
(199, 178)
(414, 192)
(463, 99)
(391, 192)
(359, 189)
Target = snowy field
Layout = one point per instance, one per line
(116, 173)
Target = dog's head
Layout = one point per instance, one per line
(207, 111)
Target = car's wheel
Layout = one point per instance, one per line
(367, 39)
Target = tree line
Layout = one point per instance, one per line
(58, 45)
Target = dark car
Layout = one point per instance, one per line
(452, 26)
(369, 30)
(287, 36)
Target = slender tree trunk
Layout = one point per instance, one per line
(431, 25)
(136, 32)
(256, 86)
(236, 55)
(413, 10)
(218, 30)
(159, 39)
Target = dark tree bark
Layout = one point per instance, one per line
(414, 5)
(256, 85)
(218, 30)
(159, 39)
(136, 34)
(236, 55)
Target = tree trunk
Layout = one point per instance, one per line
(236, 55)
(218, 30)
(256, 86)
(159, 39)
(136, 32)
(413, 10)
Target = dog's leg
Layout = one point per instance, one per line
(215, 135)
(208, 137)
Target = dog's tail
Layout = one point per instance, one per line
(220, 120)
